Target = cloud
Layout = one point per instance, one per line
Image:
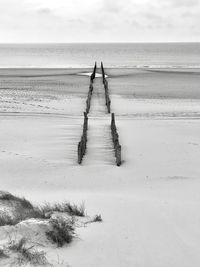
(98, 20)
(118, 6)
(46, 11)
(184, 3)
(112, 6)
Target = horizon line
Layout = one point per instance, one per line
(160, 42)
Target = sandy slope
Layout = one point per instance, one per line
(149, 205)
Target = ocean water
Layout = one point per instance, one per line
(117, 55)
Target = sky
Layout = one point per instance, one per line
(61, 21)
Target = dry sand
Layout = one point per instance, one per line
(150, 204)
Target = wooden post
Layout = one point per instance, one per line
(85, 125)
(118, 155)
(112, 120)
(103, 73)
(79, 152)
(91, 87)
(95, 67)
(108, 105)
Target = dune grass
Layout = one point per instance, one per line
(6, 219)
(62, 232)
(24, 209)
(6, 196)
(71, 209)
(20, 215)
(27, 254)
(97, 218)
(61, 228)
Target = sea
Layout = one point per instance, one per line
(113, 55)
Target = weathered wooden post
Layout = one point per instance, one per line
(84, 140)
(109, 106)
(95, 68)
(87, 106)
(91, 87)
(105, 82)
(112, 120)
(118, 155)
(103, 73)
(85, 126)
(79, 152)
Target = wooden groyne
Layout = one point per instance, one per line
(103, 72)
(107, 97)
(105, 83)
(115, 138)
(89, 97)
(92, 77)
(82, 145)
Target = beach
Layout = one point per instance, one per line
(150, 203)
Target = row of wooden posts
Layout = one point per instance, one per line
(92, 77)
(115, 138)
(82, 145)
(114, 133)
(105, 83)
(89, 97)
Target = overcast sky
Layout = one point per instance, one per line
(99, 20)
